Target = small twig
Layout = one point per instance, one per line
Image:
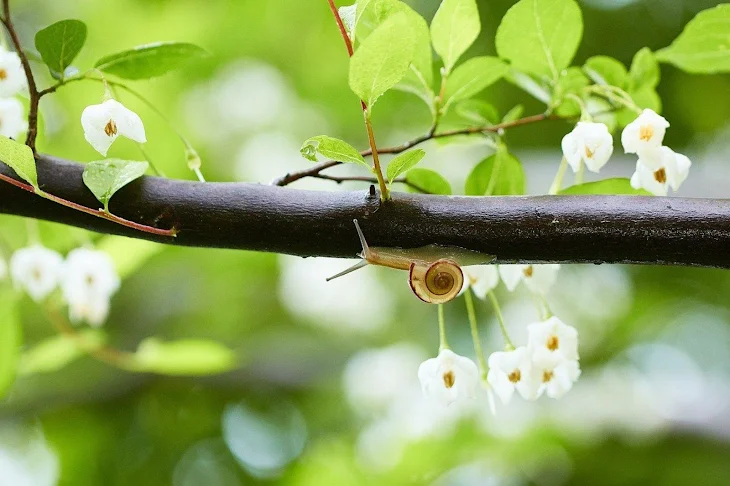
(372, 180)
(99, 213)
(32, 88)
(316, 169)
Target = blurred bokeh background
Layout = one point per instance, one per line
(328, 392)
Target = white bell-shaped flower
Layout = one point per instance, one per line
(105, 122)
(35, 270)
(88, 282)
(555, 373)
(448, 377)
(589, 143)
(538, 278)
(659, 169)
(645, 132)
(553, 336)
(12, 118)
(482, 279)
(510, 371)
(12, 75)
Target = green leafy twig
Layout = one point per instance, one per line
(372, 180)
(316, 169)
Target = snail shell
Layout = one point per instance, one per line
(437, 282)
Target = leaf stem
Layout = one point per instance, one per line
(500, 320)
(557, 184)
(93, 212)
(443, 344)
(384, 192)
(483, 368)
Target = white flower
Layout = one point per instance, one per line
(35, 269)
(659, 169)
(481, 278)
(553, 336)
(555, 373)
(588, 143)
(105, 122)
(645, 132)
(538, 278)
(510, 371)
(12, 118)
(12, 75)
(448, 377)
(88, 283)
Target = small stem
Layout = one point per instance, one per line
(316, 169)
(384, 192)
(341, 25)
(94, 212)
(371, 180)
(146, 156)
(483, 368)
(32, 87)
(500, 320)
(199, 174)
(33, 230)
(443, 344)
(581, 172)
(558, 181)
(437, 109)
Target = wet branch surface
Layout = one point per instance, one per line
(597, 229)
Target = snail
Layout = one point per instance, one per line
(434, 271)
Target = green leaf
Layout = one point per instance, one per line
(478, 111)
(570, 82)
(538, 90)
(620, 186)
(500, 174)
(428, 181)
(332, 148)
(11, 339)
(606, 70)
(454, 28)
(514, 114)
(106, 177)
(190, 357)
(404, 162)
(540, 36)
(704, 45)
(383, 59)
(472, 77)
(60, 43)
(644, 71)
(20, 158)
(151, 60)
(58, 351)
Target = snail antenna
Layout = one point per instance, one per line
(364, 254)
(356, 266)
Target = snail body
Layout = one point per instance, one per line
(434, 271)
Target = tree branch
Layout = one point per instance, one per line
(566, 229)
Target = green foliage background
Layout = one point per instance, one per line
(113, 427)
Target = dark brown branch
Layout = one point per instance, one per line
(32, 88)
(316, 169)
(567, 229)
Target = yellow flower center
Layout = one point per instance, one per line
(110, 129)
(661, 176)
(528, 271)
(515, 376)
(3, 75)
(547, 376)
(646, 132)
(589, 152)
(449, 379)
(552, 343)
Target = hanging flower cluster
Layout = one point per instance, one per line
(548, 364)
(12, 83)
(658, 167)
(87, 280)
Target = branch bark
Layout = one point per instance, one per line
(565, 229)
